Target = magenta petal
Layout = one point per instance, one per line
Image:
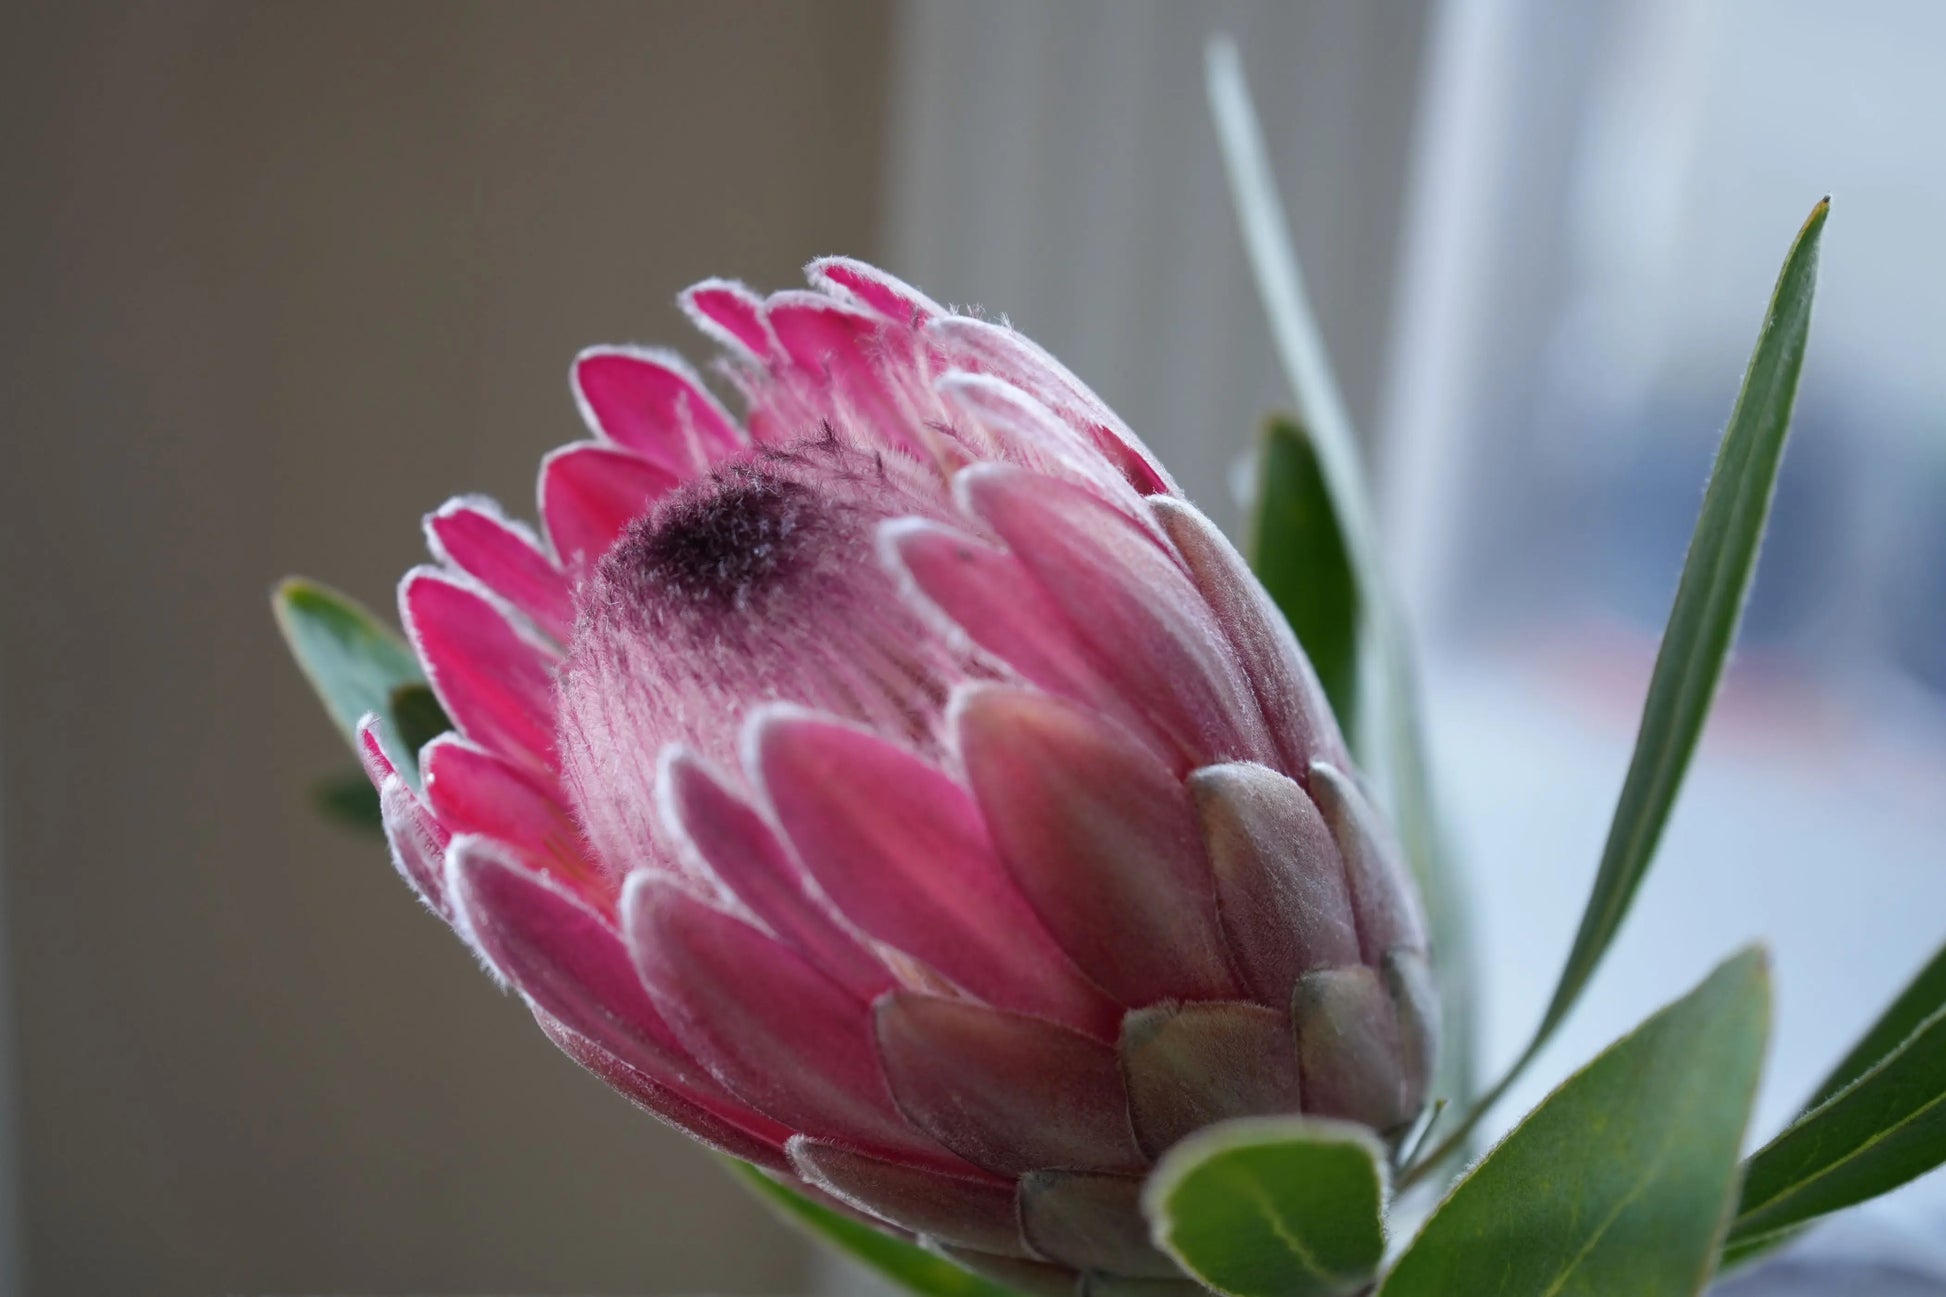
(1102, 839)
(902, 851)
(1148, 629)
(984, 347)
(1287, 689)
(418, 840)
(473, 790)
(870, 287)
(1280, 881)
(1021, 429)
(748, 1135)
(1005, 1091)
(989, 596)
(650, 401)
(496, 685)
(849, 355)
(590, 492)
(779, 1034)
(736, 849)
(968, 1210)
(471, 534)
(730, 314)
(567, 959)
(1381, 894)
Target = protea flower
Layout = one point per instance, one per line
(904, 789)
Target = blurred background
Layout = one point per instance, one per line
(281, 277)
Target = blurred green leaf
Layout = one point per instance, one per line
(1622, 1180)
(1884, 1129)
(350, 799)
(1298, 551)
(911, 1267)
(352, 659)
(1393, 744)
(416, 716)
(357, 665)
(1272, 1207)
(1703, 622)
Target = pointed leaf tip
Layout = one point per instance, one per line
(1708, 607)
(355, 663)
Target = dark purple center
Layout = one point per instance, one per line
(719, 544)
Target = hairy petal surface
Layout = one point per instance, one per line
(1005, 1091)
(1102, 840)
(901, 848)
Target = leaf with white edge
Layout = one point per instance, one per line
(355, 663)
(1297, 550)
(1886, 1128)
(1622, 1181)
(1390, 716)
(908, 1265)
(1272, 1206)
(1922, 998)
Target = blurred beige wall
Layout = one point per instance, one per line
(279, 278)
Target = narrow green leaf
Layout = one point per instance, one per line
(1390, 718)
(911, 1267)
(1884, 1129)
(1272, 1206)
(1621, 1182)
(1741, 1251)
(1923, 997)
(1297, 550)
(350, 799)
(1702, 624)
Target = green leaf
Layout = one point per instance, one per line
(1884, 1129)
(1297, 550)
(358, 665)
(350, 799)
(1622, 1181)
(911, 1267)
(416, 716)
(1924, 996)
(1390, 720)
(1703, 623)
(1272, 1207)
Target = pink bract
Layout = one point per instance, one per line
(901, 786)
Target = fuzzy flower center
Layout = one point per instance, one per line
(758, 584)
(721, 548)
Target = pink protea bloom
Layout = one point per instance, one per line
(904, 789)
